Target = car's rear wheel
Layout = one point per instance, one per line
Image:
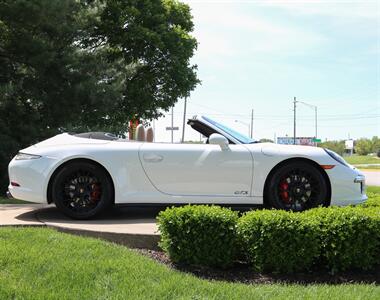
(82, 190)
(297, 186)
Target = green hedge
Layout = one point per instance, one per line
(200, 235)
(273, 240)
(373, 200)
(350, 237)
(279, 241)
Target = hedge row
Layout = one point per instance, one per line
(273, 240)
(200, 235)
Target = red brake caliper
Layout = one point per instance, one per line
(284, 191)
(95, 193)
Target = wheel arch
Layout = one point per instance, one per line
(298, 159)
(87, 160)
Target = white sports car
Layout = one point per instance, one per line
(86, 173)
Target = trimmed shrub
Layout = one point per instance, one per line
(350, 237)
(199, 235)
(373, 200)
(274, 240)
(279, 241)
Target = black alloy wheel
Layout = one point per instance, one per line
(82, 190)
(297, 186)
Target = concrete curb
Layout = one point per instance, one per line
(137, 241)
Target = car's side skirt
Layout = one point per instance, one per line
(155, 198)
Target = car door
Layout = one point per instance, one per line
(198, 169)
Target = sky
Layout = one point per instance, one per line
(261, 54)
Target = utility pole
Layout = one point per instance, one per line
(184, 120)
(252, 123)
(295, 107)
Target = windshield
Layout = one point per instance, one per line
(240, 137)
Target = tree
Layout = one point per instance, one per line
(265, 140)
(336, 146)
(363, 146)
(375, 144)
(151, 38)
(77, 65)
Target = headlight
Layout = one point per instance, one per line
(337, 157)
(25, 156)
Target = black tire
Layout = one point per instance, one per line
(82, 190)
(297, 186)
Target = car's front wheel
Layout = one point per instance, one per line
(296, 186)
(82, 190)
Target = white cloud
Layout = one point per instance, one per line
(224, 29)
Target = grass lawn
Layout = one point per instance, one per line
(362, 159)
(40, 263)
(369, 168)
(373, 189)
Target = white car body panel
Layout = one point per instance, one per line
(198, 169)
(176, 173)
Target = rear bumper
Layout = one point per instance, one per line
(9, 195)
(31, 177)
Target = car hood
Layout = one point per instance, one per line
(271, 149)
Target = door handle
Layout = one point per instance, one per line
(152, 157)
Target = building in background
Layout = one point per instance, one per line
(349, 146)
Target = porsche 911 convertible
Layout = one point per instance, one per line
(84, 174)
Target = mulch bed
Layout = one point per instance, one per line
(242, 273)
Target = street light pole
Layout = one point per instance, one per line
(316, 117)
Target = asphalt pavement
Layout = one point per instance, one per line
(372, 177)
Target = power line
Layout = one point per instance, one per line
(269, 117)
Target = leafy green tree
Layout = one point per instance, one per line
(336, 146)
(76, 65)
(152, 38)
(375, 144)
(265, 140)
(363, 146)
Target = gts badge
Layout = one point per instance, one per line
(243, 193)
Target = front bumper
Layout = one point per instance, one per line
(347, 186)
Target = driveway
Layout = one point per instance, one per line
(134, 227)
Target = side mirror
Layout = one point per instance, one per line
(218, 139)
